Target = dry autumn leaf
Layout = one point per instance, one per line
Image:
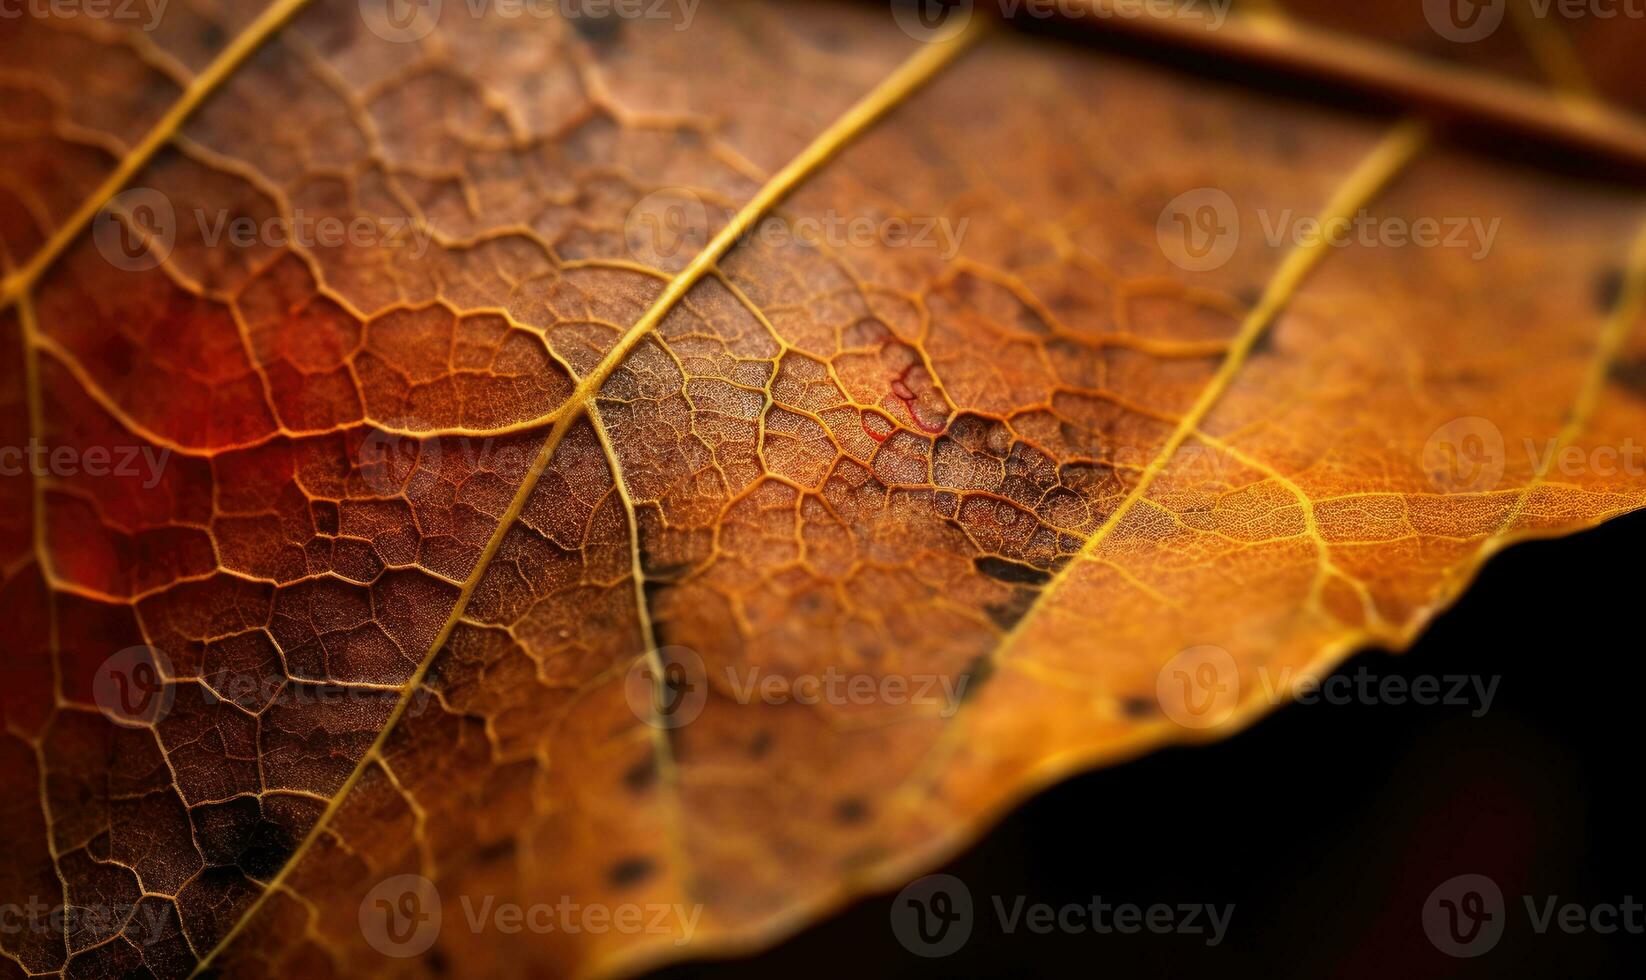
(711, 459)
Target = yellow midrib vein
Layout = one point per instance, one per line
(920, 68)
(195, 93)
(1386, 160)
(1374, 172)
(1614, 333)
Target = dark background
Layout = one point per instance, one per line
(1329, 825)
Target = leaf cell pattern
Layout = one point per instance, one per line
(417, 507)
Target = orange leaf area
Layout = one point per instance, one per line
(699, 472)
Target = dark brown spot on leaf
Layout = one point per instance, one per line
(630, 871)
(641, 775)
(1015, 573)
(1136, 707)
(851, 811)
(1631, 375)
(977, 673)
(1608, 289)
(595, 23)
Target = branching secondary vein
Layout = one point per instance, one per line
(911, 75)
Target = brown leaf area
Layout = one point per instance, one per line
(434, 533)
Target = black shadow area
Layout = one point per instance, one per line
(1329, 825)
